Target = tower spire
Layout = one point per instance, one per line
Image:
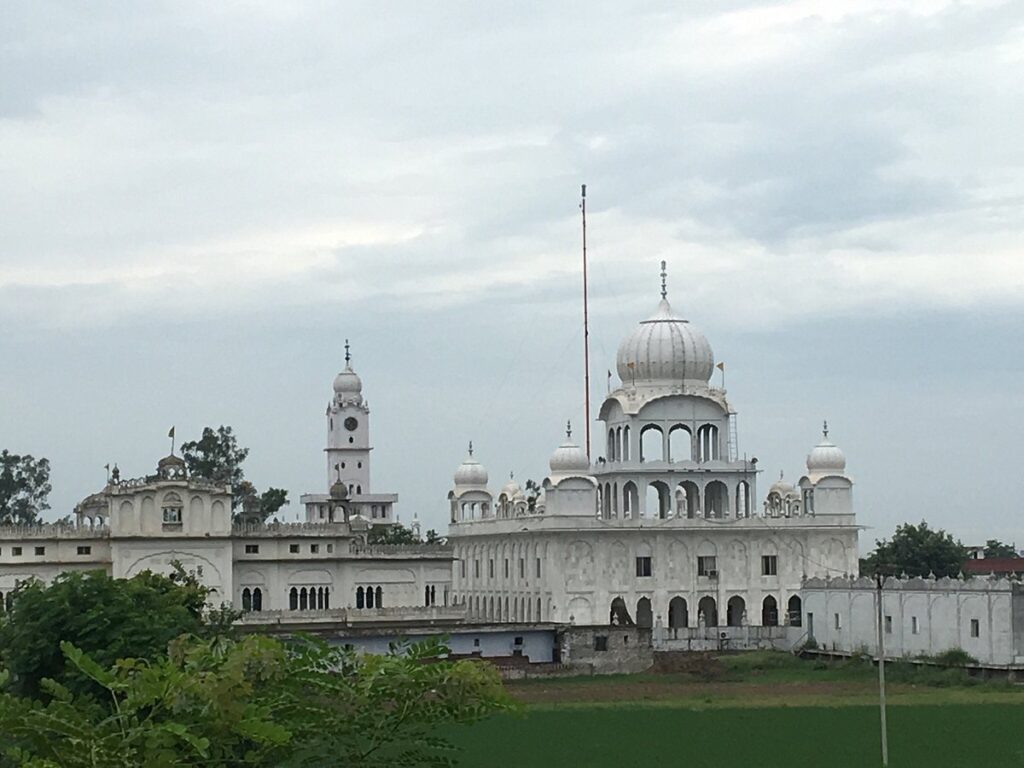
(824, 429)
(348, 354)
(568, 430)
(470, 447)
(664, 275)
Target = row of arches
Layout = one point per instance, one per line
(679, 443)
(309, 598)
(707, 612)
(252, 599)
(505, 609)
(370, 597)
(711, 500)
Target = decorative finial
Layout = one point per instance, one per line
(824, 429)
(470, 447)
(511, 475)
(568, 430)
(664, 274)
(348, 355)
(781, 473)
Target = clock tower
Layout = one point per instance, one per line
(348, 432)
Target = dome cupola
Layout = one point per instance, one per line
(826, 458)
(511, 489)
(665, 349)
(569, 458)
(347, 384)
(471, 471)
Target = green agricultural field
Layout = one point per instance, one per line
(754, 710)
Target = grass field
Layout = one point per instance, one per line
(754, 710)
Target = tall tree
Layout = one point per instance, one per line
(391, 534)
(996, 548)
(109, 618)
(916, 550)
(24, 488)
(217, 456)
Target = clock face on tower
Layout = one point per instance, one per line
(351, 423)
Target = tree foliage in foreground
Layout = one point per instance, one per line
(24, 488)
(255, 702)
(916, 550)
(107, 618)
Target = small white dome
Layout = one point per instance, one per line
(471, 471)
(511, 489)
(347, 383)
(665, 348)
(826, 458)
(781, 487)
(569, 458)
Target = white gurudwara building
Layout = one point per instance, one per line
(321, 570)
(664, 530)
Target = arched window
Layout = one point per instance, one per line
(707, 611)
(246, 599)
(538, 609)
(369, 597)
(303, 599)
(734, 611)
(644, 615)
(680, 443)
(257, 599)
(359, 598)
(380, 597)
(678, 615)
(770, 612)
(716, 499)
(172, 506)
(618, 444)
(320, 598)
(611, 445)
(1, 602)
(327, 598)
(742, 499)
(426, 595)
(707, 443)
(359, 489)
(293, 599)
(433, 595)
(651, 443)
(619, 616)
(795, 612)
(507, 616)
(630, 500)
(625, 443)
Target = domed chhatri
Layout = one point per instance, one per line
(569, 458)
(665, 348)
(511, 489)
(826, 457)
(471, 471)
(347, 384)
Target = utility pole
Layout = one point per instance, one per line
(879, 579)
(586, 321)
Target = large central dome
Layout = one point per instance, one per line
(665, 349)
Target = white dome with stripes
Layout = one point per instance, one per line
(665, 349)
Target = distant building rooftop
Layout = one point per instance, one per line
(998, 565)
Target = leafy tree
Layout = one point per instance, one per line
(533, 491)
(391, 534)
(916, 550)
(105, 617)
(255, 702)
(217, 456)
(433, 537)
(996, 548)
(24, 487)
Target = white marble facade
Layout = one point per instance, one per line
(663, 528)
(322, 564)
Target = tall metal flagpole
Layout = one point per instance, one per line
(586, 320)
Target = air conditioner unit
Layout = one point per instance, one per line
(712, 574)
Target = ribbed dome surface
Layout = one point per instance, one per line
(826, 456)
(347, 383)
(665, 348)
(569, 458)
(471, 472)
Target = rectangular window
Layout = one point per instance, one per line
(330, 548)
(506, 567)
(914, 627)
(769, 565)
(463, 568)
(643, 566)
(490, 568)
(16, 551)
(975, 628)
(293, 548)
(706, 566)
(314, 548)
(888, 625)
(600, 642)
(40, 550)
(85, 550)
(252, 549)
(476, 569)
(522, 568)
(839, 622)
(172, 515)
(538, 567)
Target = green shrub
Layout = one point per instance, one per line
(954, 657)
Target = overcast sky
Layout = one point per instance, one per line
(200, 201)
